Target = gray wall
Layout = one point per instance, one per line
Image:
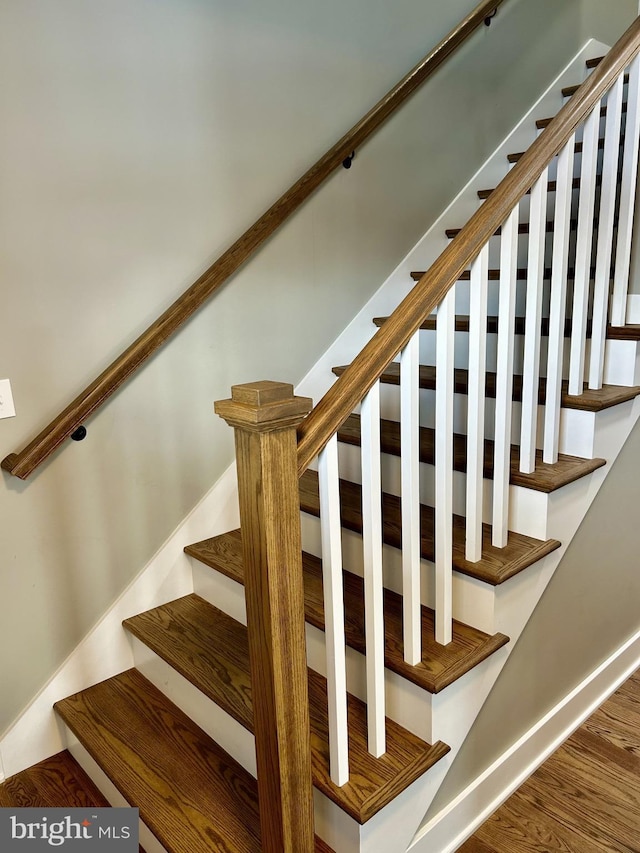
(590, 608)
(139, 138)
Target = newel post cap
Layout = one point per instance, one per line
(263, 406)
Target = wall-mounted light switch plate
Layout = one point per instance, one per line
(7, 409)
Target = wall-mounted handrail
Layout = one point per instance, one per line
(343, 397)
(23, 463)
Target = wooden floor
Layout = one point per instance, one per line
(585, 798)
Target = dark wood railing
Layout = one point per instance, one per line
(345, 394)
(23, 463)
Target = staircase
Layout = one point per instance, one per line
(174, 735)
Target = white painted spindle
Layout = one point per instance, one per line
(476, 401)
(558, 304)
(627, 198)
(535, 282)
(410, 489)
(373, 584)
(504, 379)
(605, 232)
(334, 611)
(584, 243)
(443, 527)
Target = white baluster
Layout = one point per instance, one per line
(479, 286)
(627, 197)
(605, 232)
(334, 612)
(373, 584)
(535, 279)
(584, 243)
(443, 529)
(410, 462)
(504, 380)
(557, 309)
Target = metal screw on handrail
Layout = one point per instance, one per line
(348, 160)
(79, 434)
(489, 18)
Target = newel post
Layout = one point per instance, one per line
(265, 416)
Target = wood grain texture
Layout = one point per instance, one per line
(211, 650)
(440, 666)
(585, 798)
(546, 478)
(343, 397)
(497, 564)
(191, 794)
(588, 401)
(265, 416)
(56, 782)
(27, 460)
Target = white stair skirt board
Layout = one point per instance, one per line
(426, 251)
(447, 830)
(105, 651)
(108, 789)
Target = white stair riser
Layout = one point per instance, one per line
(219, 725)
(108, 789)
(234, 738)
(472, 599)
(622, 363)
(527, 512)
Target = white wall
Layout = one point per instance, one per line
(137, 140)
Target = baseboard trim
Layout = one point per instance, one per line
(451, 827)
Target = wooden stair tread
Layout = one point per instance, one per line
(523, 228)
(494, 274)
(588, 401)
(440, 666)
(462, 325)
(210, 649)
(56, 782)
(551, 187)
(630, 332)
(513, 158)
(569, 91)
(546, 477)
(497, 564)
(541, 123)
(191, 794)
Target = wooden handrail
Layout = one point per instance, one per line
(341, 399)
(22, 464)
